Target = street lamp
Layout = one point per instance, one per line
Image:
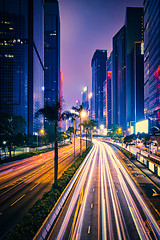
(82, 114)
(37, 134)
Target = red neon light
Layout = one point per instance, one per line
(157, 75)
(61, 96)
(109, 74)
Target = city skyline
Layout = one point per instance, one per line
(91, 26)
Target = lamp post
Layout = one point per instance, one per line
(37, 134)
(82, 115)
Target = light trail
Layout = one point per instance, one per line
(121, 211)
(139, 223)
(75, 196)
(119, 219)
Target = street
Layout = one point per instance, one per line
(23, 182)
(106, 203)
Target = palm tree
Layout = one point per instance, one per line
(79, 110)
(86, 126)
(92, 124)
(89, 124)
(53, 114)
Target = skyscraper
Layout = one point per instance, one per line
(134, 33)
(109, 90)
(107, 99)
(85, 101)
(98, 65)
(138, 83)
(51, 51)
(119, 78)
(152, 61)
(22, 60)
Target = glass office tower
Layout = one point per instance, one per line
(119, 78)
(134, 33)
(21, 60)
(98, 65)
(152, 61)
(107, 99)
(51, 51)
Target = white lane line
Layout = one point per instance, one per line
(104, 225)
(17, 200)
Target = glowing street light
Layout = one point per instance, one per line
(37, 134)
(42, 131)
(83, 114)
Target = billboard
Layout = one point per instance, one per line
(142, 126)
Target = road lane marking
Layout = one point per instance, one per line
(93, 189)
(17, 200)
(89, 229)
(155, 193)
(34, 186)
(91, 205)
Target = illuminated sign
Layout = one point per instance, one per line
(142, 127)
(142, 48)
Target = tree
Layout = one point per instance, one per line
(70, 130)
(113, 130)
(10, 127)
(89, 124)
(79, 111)
(53, 114)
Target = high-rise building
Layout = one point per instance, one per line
(51, 51)
(119, 78)
(85, 101)
(109, 90)
(107, 106)
(105, 117)
(98, 65)
(152, 61)
(134, 33)
(22, 60)
(138, 83)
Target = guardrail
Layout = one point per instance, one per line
(47, 224)
(149, 160)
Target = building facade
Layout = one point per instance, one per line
(51, 51)
(109, 90)
(134, 33)
(22, 60)
(85, 101)
(98, 65)
(107, 99)
(152, 61)
(119, 78)
(138, 83)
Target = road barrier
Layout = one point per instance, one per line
(149, 160)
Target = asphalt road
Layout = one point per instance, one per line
(108, 202)
(23, 182)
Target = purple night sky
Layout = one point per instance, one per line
(87, 25)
